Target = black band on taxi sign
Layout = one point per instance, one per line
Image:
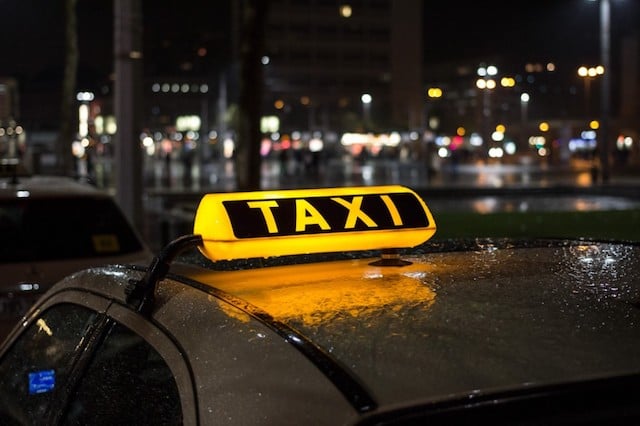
(274, 223)
(313, 215)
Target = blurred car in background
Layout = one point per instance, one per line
(330, 306)
(51, 226)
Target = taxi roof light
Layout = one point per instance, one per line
(288, 222)
(276, 223)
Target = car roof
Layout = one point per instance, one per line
(450, 322)
(47, 186)
(495, 316)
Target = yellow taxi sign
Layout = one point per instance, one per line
(299, 221)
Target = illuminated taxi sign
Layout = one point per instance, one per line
(276, 223)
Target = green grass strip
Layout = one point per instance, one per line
(623, 225)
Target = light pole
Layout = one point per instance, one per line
(524, 103)
(366, 109)
(486, 83)
(589, 74)
(606, 88)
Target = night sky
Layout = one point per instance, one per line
(545, 30)
(32, 33)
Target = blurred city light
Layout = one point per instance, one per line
(345, 11)
(434, 92)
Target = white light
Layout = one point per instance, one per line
(496, 152)
(475, 139)
(265, 60)
(345, 11)
(443, 152)
(497, 136)
(188, 122)
(77, 149)
(84, 96)
(394, 139)
(628, 142)
(111, 126)
(366, 98)
(524, 98)
(315, 145)
(227, 148)
(83, 112)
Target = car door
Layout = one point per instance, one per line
(84, 360)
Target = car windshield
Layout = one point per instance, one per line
(39, 229)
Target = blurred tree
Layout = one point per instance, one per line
(251, 91)
(66, 133)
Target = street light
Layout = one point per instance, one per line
(486, 82)
(433, 93)
(589, 74)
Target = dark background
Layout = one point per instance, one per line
(32, 34)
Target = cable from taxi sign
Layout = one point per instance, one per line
(276, 223)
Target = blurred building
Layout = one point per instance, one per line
(322, 56)
(558, 109)
(9, 100)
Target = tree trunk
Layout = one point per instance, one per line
(67, 128)
(248, 162)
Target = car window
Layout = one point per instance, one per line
(38, 362)
(68, 227)
(126, 382)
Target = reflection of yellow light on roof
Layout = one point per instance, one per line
(315, 293)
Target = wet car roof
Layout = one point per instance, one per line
(493, 318)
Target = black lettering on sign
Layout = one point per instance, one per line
(313, 215)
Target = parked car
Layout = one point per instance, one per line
(52, 226)
(332, 306)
